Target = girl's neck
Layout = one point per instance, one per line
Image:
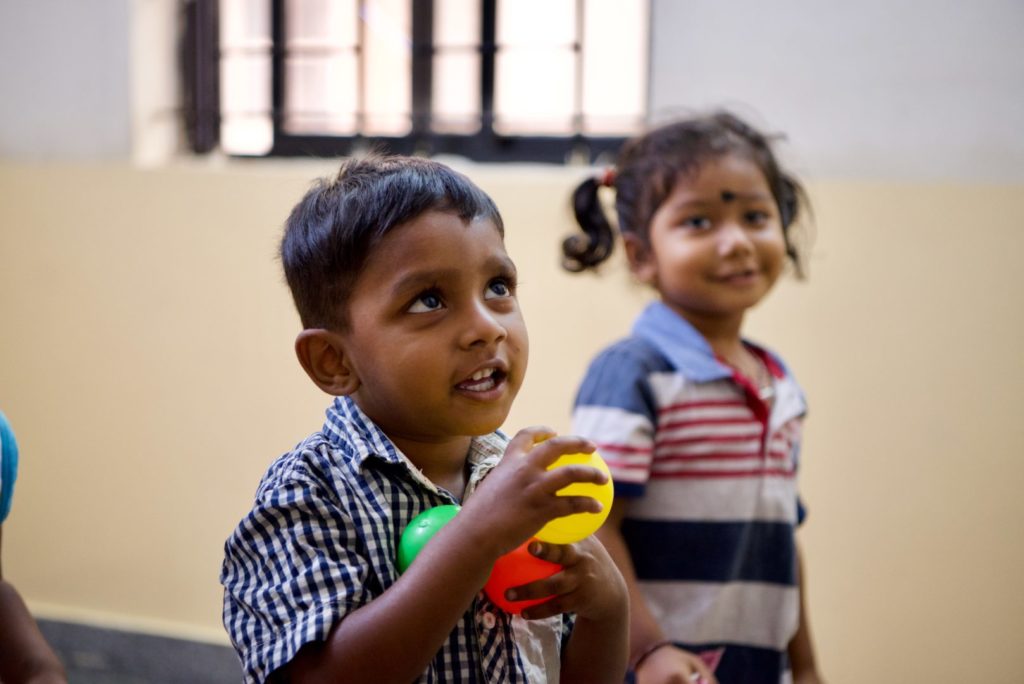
(723, 333)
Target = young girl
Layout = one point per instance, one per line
(700, 427)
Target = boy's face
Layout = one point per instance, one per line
(435, 336)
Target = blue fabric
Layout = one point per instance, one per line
(8, 466)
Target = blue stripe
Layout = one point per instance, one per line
(617, 378)
(712, 551)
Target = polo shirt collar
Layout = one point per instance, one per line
(680, 343)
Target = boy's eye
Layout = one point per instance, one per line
(428, 301)
(499, 287)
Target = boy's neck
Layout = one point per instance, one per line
(443, 463)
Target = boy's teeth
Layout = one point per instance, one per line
(481, 374)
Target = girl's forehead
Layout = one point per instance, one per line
(725, 178)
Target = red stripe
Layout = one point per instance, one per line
(719, 474)
(714, 456)
(708, 403)
(622, 449)
(695, 422)
(717, 439)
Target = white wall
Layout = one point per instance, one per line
(878, 89)
(65, 79)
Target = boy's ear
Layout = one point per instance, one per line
(641, 260)
(322, 355)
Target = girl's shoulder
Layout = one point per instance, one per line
(629, 356)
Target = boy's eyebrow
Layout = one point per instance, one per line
(420, 279)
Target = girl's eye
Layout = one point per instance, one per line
(428, 301)
(758, 218)
(497, 288)
(697, 223)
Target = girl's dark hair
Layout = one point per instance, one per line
(647, 170)
(336, 225)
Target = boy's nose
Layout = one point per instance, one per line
(483, 327)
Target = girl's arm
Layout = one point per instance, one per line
(666, 662)
(801, 647)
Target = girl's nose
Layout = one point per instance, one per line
(483, 326)
(733, 239)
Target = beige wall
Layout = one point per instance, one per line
(146, 364)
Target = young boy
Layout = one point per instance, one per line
(25, 656)
(407, 298)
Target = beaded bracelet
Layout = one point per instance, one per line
(648, 651)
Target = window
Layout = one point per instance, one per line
(529, 80)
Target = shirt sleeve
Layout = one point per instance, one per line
(616, 409)
(293, 568)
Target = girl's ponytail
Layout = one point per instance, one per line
(581, 252)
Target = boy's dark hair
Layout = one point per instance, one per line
(647, 170)
(332, 230)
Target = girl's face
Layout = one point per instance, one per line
(715, 245)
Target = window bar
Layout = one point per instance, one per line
(201, 58)
(422, 69)
(278, 48)
(488, 48)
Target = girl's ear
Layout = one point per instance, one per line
(322, 355)
(641, 260)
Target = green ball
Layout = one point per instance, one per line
(420, 530)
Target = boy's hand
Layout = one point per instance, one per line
(589, 584)
(520, 495)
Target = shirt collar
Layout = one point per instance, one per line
(687, 350)
(347, 425)
(680, 343)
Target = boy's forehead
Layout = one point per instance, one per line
(438, 242)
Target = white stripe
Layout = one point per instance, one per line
(738, 466)
(607, 425)
(750, 613)
(671, 387)
(770, 499)
(750, 429)
(751, 446)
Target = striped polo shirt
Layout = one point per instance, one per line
(709, 473)
(322, 540)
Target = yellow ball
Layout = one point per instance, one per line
(572, 528)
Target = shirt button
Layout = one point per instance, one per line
(488, 620)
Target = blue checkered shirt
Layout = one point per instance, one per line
(321, 541)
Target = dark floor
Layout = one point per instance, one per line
(93, 655)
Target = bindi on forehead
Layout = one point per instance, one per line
(728, 196)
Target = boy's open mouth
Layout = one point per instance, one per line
(482, 380)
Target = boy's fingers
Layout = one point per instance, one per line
(564, 476)
(563, 554)
(547, 451)
(527, 437)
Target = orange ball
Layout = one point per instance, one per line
(514, 569)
